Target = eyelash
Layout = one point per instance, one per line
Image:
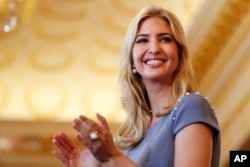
(163, 39)
(166, 39)
(141, 40)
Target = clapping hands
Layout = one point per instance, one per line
(97, 150)
(70, 155)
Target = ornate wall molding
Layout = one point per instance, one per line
(224, 26)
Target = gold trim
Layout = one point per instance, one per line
(40, 32)
(41, 52)
(100, 68)
(218, 36)
(105, 44)
(126, 10)
(49, 12)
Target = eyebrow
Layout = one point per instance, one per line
(161, 34)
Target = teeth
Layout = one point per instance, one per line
(154, 62)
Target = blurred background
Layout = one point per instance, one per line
(59, 59)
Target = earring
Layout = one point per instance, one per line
(134, 71)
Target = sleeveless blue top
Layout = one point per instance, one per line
(157, 147)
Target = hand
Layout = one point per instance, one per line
(102, 148)
(70, 155)
(86, 159)
(66, 149)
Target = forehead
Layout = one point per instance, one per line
(154, 23)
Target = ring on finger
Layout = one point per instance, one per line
(93, 135)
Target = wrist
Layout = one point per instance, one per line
(113, 161)
(120, 160)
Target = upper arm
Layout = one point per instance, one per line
(193, 146)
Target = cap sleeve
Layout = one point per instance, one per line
(194, 108)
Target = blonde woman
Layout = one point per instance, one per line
(168, 123)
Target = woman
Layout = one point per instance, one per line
(167, 124)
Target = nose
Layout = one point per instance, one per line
(154, 47)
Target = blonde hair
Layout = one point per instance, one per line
(134, 98)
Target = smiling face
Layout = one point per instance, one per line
(155, 51)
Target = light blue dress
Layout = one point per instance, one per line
(157, 148)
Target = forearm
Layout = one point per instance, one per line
(120, 161)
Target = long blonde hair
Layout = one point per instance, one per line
(134, 98)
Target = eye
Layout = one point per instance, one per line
(166, 39)
(141, 40)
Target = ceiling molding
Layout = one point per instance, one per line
(203, 22)
(231, 59)
(219, 33)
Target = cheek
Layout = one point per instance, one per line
(136, 56)
(175, 60)
(174, 53)
(173, 56)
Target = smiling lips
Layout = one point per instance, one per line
(154, 61)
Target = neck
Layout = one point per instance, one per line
(159, 94)
(159, 97)
(154, 120)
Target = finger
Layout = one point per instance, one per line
(61, 158)
(85, 126)
(68, 141)
(62, 144)
(78, 124)
(92, 124)
(85, 141)
(102, 121)
(61, 148)
(81, 129)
